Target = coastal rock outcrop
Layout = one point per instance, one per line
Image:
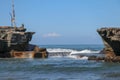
(14, 41)
(111, 40)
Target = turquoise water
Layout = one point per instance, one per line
(59, 68)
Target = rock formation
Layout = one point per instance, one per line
(14, 42)
(111, 40)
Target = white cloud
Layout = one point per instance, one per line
(53, 34)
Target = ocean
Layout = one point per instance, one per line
(63, 63)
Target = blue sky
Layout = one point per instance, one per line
(63, 21)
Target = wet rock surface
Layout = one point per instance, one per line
(14, 42)
(111, 40)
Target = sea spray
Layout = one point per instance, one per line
(70, 53)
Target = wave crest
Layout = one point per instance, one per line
(84, 51)
(71, 50)
(59, 50)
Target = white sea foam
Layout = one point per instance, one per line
(76, 54)
(84, 51)
(59, 50)
(71, 50)
(78, 57)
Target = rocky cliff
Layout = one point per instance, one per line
(111, 40)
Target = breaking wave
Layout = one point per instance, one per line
(59, 50)
(77, 54)
(84, 51)
(71, 50)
